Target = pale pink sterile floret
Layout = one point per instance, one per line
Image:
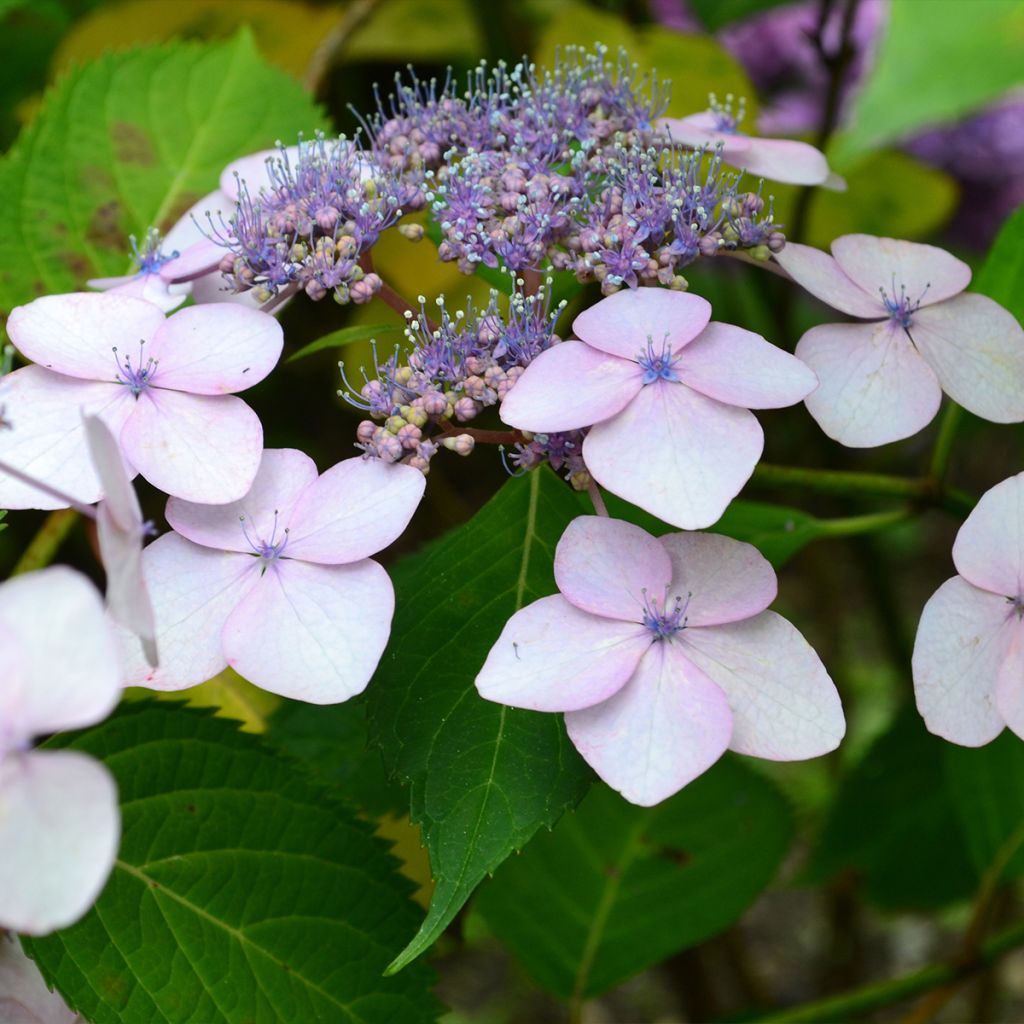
(120, 531)
(163, 386)
(59, 817)
(279, 585)
(662, 655)
(883, 381)
(668, 395)
(24, 997)
(785, 160)
(969, 653)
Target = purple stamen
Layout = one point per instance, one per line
(668, 619)
(136, 378)
(267, 551)
(657, 365)
(901, 309)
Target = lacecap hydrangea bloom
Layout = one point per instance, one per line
(59, 818)
(279, 584)
(883, 381)
(668, 397)
(164, 386)
(969, 653)
(662, 654)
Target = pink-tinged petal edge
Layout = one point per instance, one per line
(818, 273)
(989, 548)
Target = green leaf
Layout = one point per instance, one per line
(346, 336)
(987, 784)
(887, 809)
(242, 892)
(937, 62)
(417, 30)
(127, 142)
(624, 887)
(1002, 275)
(715, 14)
(484, 777)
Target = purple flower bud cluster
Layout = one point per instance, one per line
(564, 451)
(450, 372)
(325, 206)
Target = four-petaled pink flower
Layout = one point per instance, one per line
(670, 395)
(162, 385)
(662, 656)
(279, 585)
(786, 160)
(969, 652)
(883, 381)
(59, 818)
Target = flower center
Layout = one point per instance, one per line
(137, 378)
(268, 551)
(657, 364)
(900, 307)
(666, 618)
(1018, 605)
(725, 121)
(150, 258)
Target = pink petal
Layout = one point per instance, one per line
(312, 632)
(203, 448)
(728, 580)
(253, 170)
(76, 334)
(873, 387)
(976, 349)
(268, 506)
(698, 130)
(150, 288)
(194, 225)
(118, 493)
(24, 997)
(818, 273)
(211, 288)
(569, 386)
(740, 368)
(194, 590)
(1009, 688)
(963, 639)
(989, 549)
(927, 274)
(678, 455)
(47, 440)
(553, 657)
(69, 674)
(59, 835)
(666, 726)
(356, 508)
(784, 705)
(623, 323)
(784, 160)
(197, 260)
(216, 349)
(608, 567)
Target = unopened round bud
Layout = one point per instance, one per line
(461, 444)
(434, 403)
(393, 424)
(365, 431)
(414, 232)
(409, 436)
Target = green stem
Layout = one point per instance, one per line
(44, 545)
(884, 993)
(952, 417)
(864, 485)
(870, 523)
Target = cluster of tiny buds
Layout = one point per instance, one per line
(562, 451)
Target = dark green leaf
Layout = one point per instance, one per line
(616, 888)
(888, 808)
(715, 14)
(346, 336)
(484, 777)
(242, 892)
(1002, 275)
(128, 142)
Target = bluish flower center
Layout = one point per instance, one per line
(657, 364)
(900, 307)
(1018, 605)
(150, 258)
(665, 618)
(268, 551)
(726, 120)
(137, 378)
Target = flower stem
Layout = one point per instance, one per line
(595, 496)
(952, 417)
(856, 1002)
(870, 523)
(44, 545)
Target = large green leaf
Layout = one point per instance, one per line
(242, 893)
(887, 809)
(484, 777)
(938, 61)
(623, 887)
(1002, 276)
(128, 142)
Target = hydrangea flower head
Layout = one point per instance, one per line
(662, 655)
(669, 397)
(279, 585)
(59, 818)
(164, 387)
(883, 381)
(969, 653)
